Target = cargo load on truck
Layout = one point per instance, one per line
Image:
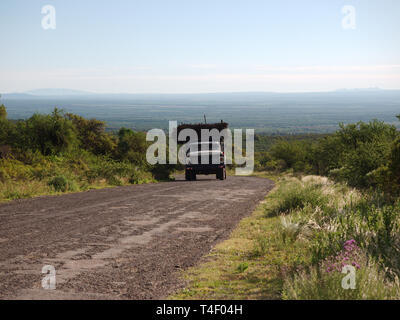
(199, 126)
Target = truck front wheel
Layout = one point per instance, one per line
(221, 174)
(188, 175)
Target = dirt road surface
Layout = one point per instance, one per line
(119, 243)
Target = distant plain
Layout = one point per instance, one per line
(270, 113)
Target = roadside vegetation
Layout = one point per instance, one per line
(56, 153)
(336, 203)
(296, 242)
(362, 155)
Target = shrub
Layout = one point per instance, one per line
(62, 184)
(139, 177)
(132, 146)
(92, 135)
(114, 181)
(6, 130)
(11, 169)
(162, 172)
(292, 152)
(50, 134)
(362, 155)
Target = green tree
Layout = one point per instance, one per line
(50, 134)
(327, 153)
(6, 130)
(365, 148)
(92, 135)
(132, 146)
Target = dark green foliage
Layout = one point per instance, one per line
(363, 155)
(364, 148)
(132, 146)
(50, 134)
(295, 154)
(62, 184)
(92, 136)
(394, 164)
(395, 161)
(276, 153)
(47, 141)
(264, 142)
(6, 127)
(56, 134)
(162, 172)
(5, 131)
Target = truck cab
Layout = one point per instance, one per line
(205, 158)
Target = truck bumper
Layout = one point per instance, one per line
(204, 168)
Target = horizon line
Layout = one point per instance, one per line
(79, 92)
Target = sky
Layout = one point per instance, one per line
(193, 46)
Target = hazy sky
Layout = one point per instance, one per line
(174, 46)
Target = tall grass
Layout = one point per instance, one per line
(325, 215)
(317, 284)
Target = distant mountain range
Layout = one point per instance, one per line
(46, 93)
(57, 92)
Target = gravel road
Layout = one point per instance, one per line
(119, 243)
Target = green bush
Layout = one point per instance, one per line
(50, 134)
(363, 155)
(296, 195)
(132, 146)
(139, 177)
(92, 136)
(14, 170)
(62, 184)
(294, 153)
(61, 152)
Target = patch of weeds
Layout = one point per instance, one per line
(242, 267)
(261, 245)
(294, 196)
